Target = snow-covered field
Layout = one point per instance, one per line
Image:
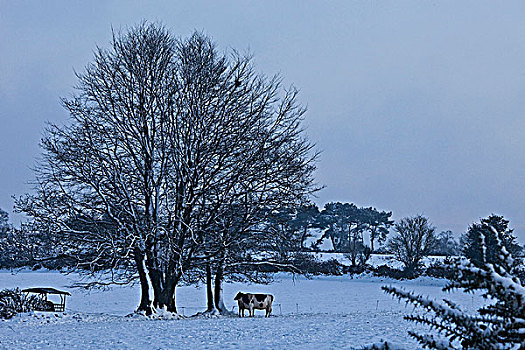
(322, 313)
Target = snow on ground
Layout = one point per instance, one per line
(322, 313)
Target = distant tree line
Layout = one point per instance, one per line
(291, 235)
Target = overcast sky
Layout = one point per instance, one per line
(418, 106)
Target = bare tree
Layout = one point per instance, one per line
(109, 166)
(415, 238)
(164, 136)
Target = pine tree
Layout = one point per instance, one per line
(490, 228)
(498, 325)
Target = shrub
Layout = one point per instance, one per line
(440, 269)
(309, 264)
(13, 301)
(355, 269)
(330, 267)
(382, 346)
(387, 271)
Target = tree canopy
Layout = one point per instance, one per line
(165, 136)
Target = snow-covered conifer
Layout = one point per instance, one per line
(500, 324)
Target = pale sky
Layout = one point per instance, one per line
(418, 106)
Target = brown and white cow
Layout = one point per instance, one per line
(254, 301)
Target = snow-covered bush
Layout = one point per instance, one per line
(500, 324)
(387, 271)
(309, 264)
(13, 301)
(440, 269)
(383, 346)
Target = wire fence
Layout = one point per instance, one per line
(280, 309)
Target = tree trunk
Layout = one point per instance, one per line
(164, 285)
(350, 241)
(209, 288)
(336, 249)
(219, 275)
(145, 302)
(353, 251)
(303, 237)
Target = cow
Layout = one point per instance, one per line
(254, 301)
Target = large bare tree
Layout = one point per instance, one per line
(414, 239)
(165, 136)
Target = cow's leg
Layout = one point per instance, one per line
(252, 311)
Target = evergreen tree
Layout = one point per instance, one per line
(490, 228)
(344, 224)
(446, 244)
(4, 222)
(378, 224)
(500, 324)
(306, 218)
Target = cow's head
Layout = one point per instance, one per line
(238, 296)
